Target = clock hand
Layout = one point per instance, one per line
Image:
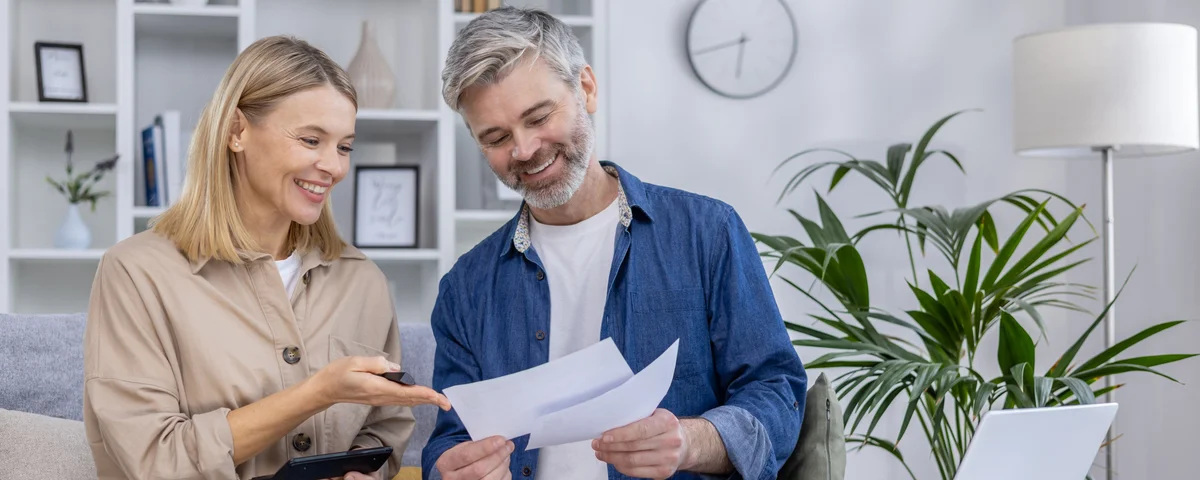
(741, 52)
(720, 46)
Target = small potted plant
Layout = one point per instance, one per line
(78, 188)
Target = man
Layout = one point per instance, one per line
(595, 253)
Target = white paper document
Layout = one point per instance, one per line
(577, 397)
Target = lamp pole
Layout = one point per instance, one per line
(1110, 326)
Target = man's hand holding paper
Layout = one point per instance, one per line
(575, 398)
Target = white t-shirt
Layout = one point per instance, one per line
(289, 272)
(577, 259)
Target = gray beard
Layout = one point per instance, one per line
(576, 157)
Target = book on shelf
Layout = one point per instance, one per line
(163, 164)
(476, 6)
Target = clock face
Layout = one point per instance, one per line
(741, 48)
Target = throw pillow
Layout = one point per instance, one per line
(820, 452)
(40, 446)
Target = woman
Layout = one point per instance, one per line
(241, 331)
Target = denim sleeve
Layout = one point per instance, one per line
(453, 365)
(764, 381)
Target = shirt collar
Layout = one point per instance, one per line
(520, 238)
(308, 259)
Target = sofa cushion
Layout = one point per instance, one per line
(41, 369)
(820, 452)
(41, 364)
(39, 446)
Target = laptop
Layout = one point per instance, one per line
(1052, 443)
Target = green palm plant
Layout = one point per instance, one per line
(936, 370)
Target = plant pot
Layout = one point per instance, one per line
(73, 234)
(373, 79)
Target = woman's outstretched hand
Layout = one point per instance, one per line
(359, 380)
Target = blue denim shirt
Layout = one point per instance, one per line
(684, 267)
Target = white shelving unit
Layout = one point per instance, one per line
(144, 58)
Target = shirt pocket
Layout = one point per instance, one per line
(343, 421)
(664, 315)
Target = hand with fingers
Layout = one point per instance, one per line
(654, 447)
(486, 459)
(359, 380)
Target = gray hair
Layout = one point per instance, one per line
(492, 44)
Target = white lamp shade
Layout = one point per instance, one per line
(1130, 86)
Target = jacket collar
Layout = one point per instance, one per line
(631, 196)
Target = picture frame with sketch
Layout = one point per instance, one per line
(61, 76)
(386, 206)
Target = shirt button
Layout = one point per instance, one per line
(540, 335)
(291, 355)
(541, 276)
(305, 278)
(526, 471)
(301, 442)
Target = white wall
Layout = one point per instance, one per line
(1156, 232)
(870, 73)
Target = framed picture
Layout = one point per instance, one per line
(386, 209)
(60, 73)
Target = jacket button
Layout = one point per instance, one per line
(526, 471)
(291, 355)
(540, 335)
(301, 442)
(305, 277)
(541, 276)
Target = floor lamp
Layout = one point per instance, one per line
(1105, 90)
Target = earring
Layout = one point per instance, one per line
(238, 145)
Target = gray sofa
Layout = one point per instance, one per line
(41, 403)
(41, 395)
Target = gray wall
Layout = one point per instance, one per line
(873, 72)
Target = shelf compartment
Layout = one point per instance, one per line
(404, 31)
(214, 21)
(80, 116)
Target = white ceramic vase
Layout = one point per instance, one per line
(73, 234)
(373, 79)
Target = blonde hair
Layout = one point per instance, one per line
(206, 223)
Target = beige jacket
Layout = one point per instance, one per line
(172, 347)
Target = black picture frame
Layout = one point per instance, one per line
(38, 48)
(409, 202)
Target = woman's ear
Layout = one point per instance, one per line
(237, 130)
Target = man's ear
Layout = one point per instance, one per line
(587, 82)
(237, 130)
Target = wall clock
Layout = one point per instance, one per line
(741, 48)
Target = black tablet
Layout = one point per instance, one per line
(332, 465)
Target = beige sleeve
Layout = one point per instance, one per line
(391, 425)
(130, 386)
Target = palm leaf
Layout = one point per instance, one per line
(1060, 367)
(895, 160)
(919, 157)
(1123, 345)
